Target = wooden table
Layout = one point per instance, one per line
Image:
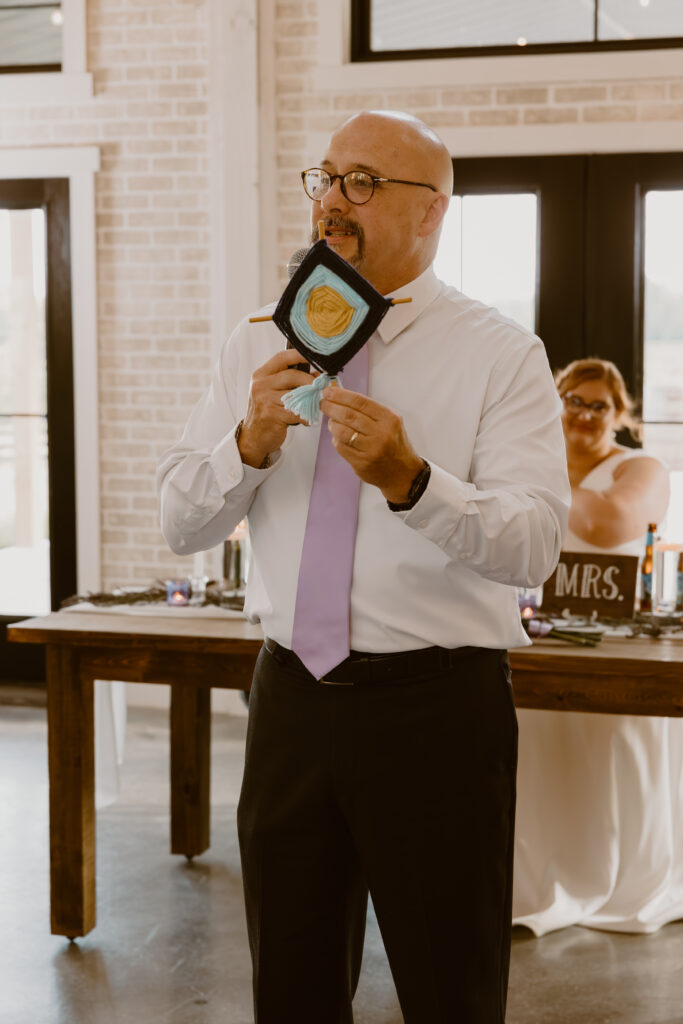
(194, 654)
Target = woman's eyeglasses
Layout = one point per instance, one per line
(575, 405)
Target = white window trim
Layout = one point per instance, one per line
(70, 85)
(540, 140)
(79, 164)
(334, 69)
(233, 164)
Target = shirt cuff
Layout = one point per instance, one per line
(229, 469)
(437, 514)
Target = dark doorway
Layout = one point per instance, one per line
(37, 506)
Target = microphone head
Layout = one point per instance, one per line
(295, 261)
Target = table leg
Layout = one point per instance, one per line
(71, 750)
(190, 768)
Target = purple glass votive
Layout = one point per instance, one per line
(528, 602)
(177, 592)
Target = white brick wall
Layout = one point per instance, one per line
(304, 107)
(149, 118)
(149, 59)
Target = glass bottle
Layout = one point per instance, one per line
(647, 569)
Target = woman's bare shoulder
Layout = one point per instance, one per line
(636, 461)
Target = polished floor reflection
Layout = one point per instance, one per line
(170, 944)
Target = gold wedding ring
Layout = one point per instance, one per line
(352, 440)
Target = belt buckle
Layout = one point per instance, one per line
(335, 682)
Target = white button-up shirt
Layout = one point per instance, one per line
(478, 402)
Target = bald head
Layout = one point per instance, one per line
(408, 140)
(392, 236)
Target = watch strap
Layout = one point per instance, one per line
(417, 489)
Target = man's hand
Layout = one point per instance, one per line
(265, 425)
(373, 441)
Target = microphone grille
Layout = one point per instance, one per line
(295, 261)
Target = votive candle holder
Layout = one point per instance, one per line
(177, 592)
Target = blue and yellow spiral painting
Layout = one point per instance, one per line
(328, 310)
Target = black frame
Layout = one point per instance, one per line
(22, 661)
(361, 50)
(331, 363)
(614, 249)
(25, 69)
(590, 246)
(558, 182)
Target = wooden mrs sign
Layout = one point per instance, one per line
(585, 583)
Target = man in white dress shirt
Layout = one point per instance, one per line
(399, 780)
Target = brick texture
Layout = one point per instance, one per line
(149, 117)
(481, 106)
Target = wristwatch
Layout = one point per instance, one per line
(417, 489)
(238, 430)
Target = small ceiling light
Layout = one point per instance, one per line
(644, 3)
(521, 41)
(57, 18)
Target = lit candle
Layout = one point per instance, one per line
(177, 592)
(528, 602)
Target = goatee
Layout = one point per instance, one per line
(342, 224)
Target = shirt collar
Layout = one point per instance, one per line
(422, 291)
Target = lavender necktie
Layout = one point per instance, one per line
(320, 636)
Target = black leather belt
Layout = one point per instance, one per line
(381, 668)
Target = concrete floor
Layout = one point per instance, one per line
(170, 945)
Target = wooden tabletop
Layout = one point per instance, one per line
(624, 676)
(223, 634)
(176, 631)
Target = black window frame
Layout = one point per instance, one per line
(590, 245)
(29, 69)
(23, 661)
(362, 52)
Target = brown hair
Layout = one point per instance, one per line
(601, 369)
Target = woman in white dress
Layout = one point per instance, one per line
(599, 833)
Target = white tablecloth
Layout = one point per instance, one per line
(599, 834)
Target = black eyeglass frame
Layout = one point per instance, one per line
(373, 177)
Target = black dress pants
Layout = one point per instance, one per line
(405, 789)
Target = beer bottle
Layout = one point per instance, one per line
(647, 569)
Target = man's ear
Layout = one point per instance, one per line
(434, 214)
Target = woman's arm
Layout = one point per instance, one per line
(639, 495)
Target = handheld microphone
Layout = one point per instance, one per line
(293, 264)
(295, 261)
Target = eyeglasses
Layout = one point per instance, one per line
(575, 405)
(357, 186)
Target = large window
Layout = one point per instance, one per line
(391, 29)
(663, 306)
(488, 249)
(30, 36)
(588, 251)
(662, 232)
(37, 467)
(24, 527)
